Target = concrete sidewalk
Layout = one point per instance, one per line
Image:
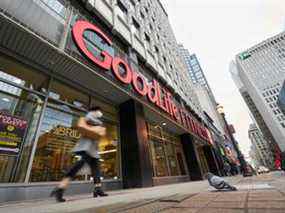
(256, 194)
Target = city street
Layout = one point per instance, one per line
(263, 193)
(129, 105)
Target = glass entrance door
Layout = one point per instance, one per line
(57, 138)
(19, 116)
(203, 160)
(166, 152)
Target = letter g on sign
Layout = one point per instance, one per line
(78, 30)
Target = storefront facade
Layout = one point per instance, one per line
(50, 75)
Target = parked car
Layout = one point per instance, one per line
(249, 171)
(262, 169)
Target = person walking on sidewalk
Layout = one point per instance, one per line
(91, 129)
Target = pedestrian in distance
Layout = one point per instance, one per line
(233, 168)
(227, 168)
(91, 129)
(219, 183)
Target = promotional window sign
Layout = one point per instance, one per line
(12, 132)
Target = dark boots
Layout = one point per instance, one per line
(58, 194)
(99, 192)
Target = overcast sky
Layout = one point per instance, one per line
(217, 30)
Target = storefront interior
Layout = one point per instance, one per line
(51, 108)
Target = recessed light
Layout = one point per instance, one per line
(6, 99)
(17, 81)
(163, 124)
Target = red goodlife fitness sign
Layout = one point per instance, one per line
(153, 91)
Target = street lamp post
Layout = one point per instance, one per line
(241, 159)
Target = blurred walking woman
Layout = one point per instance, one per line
(91, 129)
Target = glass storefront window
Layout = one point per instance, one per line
(19, 116)
(109, 111)
(108, 150)
(22, 99)
(53, 7)
(154, 132)
(22, 76)
(33, 13)
(181, 162)
(166, 152)
(57, 138)
(57, 135)
(109, 145)
(159, 159)
(203, 160)
(172, 161)
(62, 92)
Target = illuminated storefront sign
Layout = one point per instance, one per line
(153, 91)
(63, 131)
(12, 132)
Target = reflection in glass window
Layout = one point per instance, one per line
(180, 161)
(108, 150)
(22, 76)
(54, 7)
(159, 159)
(172, 161)
(57, 138)
(166, 152)
(70, 95)
(17, 104)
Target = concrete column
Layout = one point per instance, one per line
(211, 160)
(191, 157)
(136, 162)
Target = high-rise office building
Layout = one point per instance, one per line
(208, 102)
(209, 106)
(255, 157)
(281, 99)
(254, 111)
(259, 73)
(260, 147)
(203, 90)
(194, 68)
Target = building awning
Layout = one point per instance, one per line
(26, 46)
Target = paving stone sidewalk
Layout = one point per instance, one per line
(255, 195)
(258, 194)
